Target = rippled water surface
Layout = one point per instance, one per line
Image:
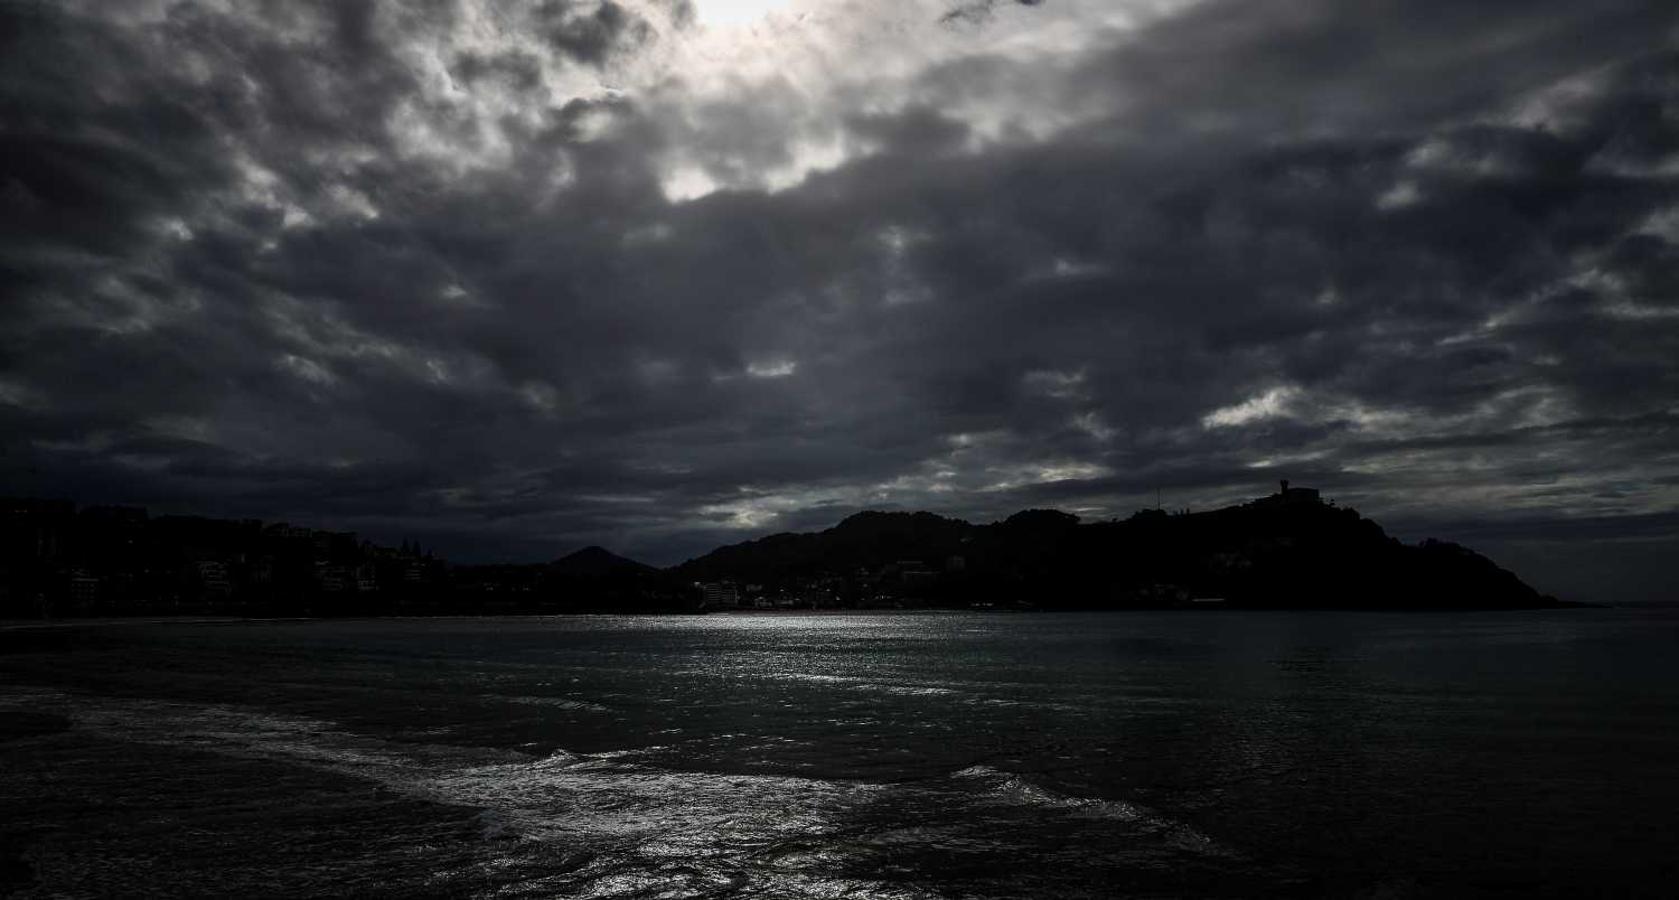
(941, 755)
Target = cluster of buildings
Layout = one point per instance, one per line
(56, 559)
(883, 587)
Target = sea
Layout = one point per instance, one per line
(1198, 753)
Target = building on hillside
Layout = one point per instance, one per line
(914, 570)
(211, 576)
(84, 588)
(719, 593)
(35, 530)
(332, 579)
(413, 571)
(1290, 496)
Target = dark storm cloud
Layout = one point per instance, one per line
(429, 269)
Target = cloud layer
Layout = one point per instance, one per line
(517, 276)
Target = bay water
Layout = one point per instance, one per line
(1196, 753)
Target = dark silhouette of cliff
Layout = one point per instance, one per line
(1287, 550)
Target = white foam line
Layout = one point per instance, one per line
(689, 822)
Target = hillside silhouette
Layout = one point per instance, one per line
(1290, 549)
(597, 562)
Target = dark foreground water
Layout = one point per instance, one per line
(1170, 754)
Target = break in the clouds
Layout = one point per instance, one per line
(514, 276)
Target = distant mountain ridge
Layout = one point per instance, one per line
(861, 539)
(1290, 549)
(596, 562)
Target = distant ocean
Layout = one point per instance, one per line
(1198, 753)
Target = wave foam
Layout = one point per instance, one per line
(625, 822)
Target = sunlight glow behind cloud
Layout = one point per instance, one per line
(760, 263)
(731, 13)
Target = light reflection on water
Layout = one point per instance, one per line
(828, 756)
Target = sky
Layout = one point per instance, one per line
(515, 277)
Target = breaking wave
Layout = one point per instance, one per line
(610, 824)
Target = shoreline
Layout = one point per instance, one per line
(106, 621)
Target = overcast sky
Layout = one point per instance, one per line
(515, 277)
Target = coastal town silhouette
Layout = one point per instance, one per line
(1290, 549)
